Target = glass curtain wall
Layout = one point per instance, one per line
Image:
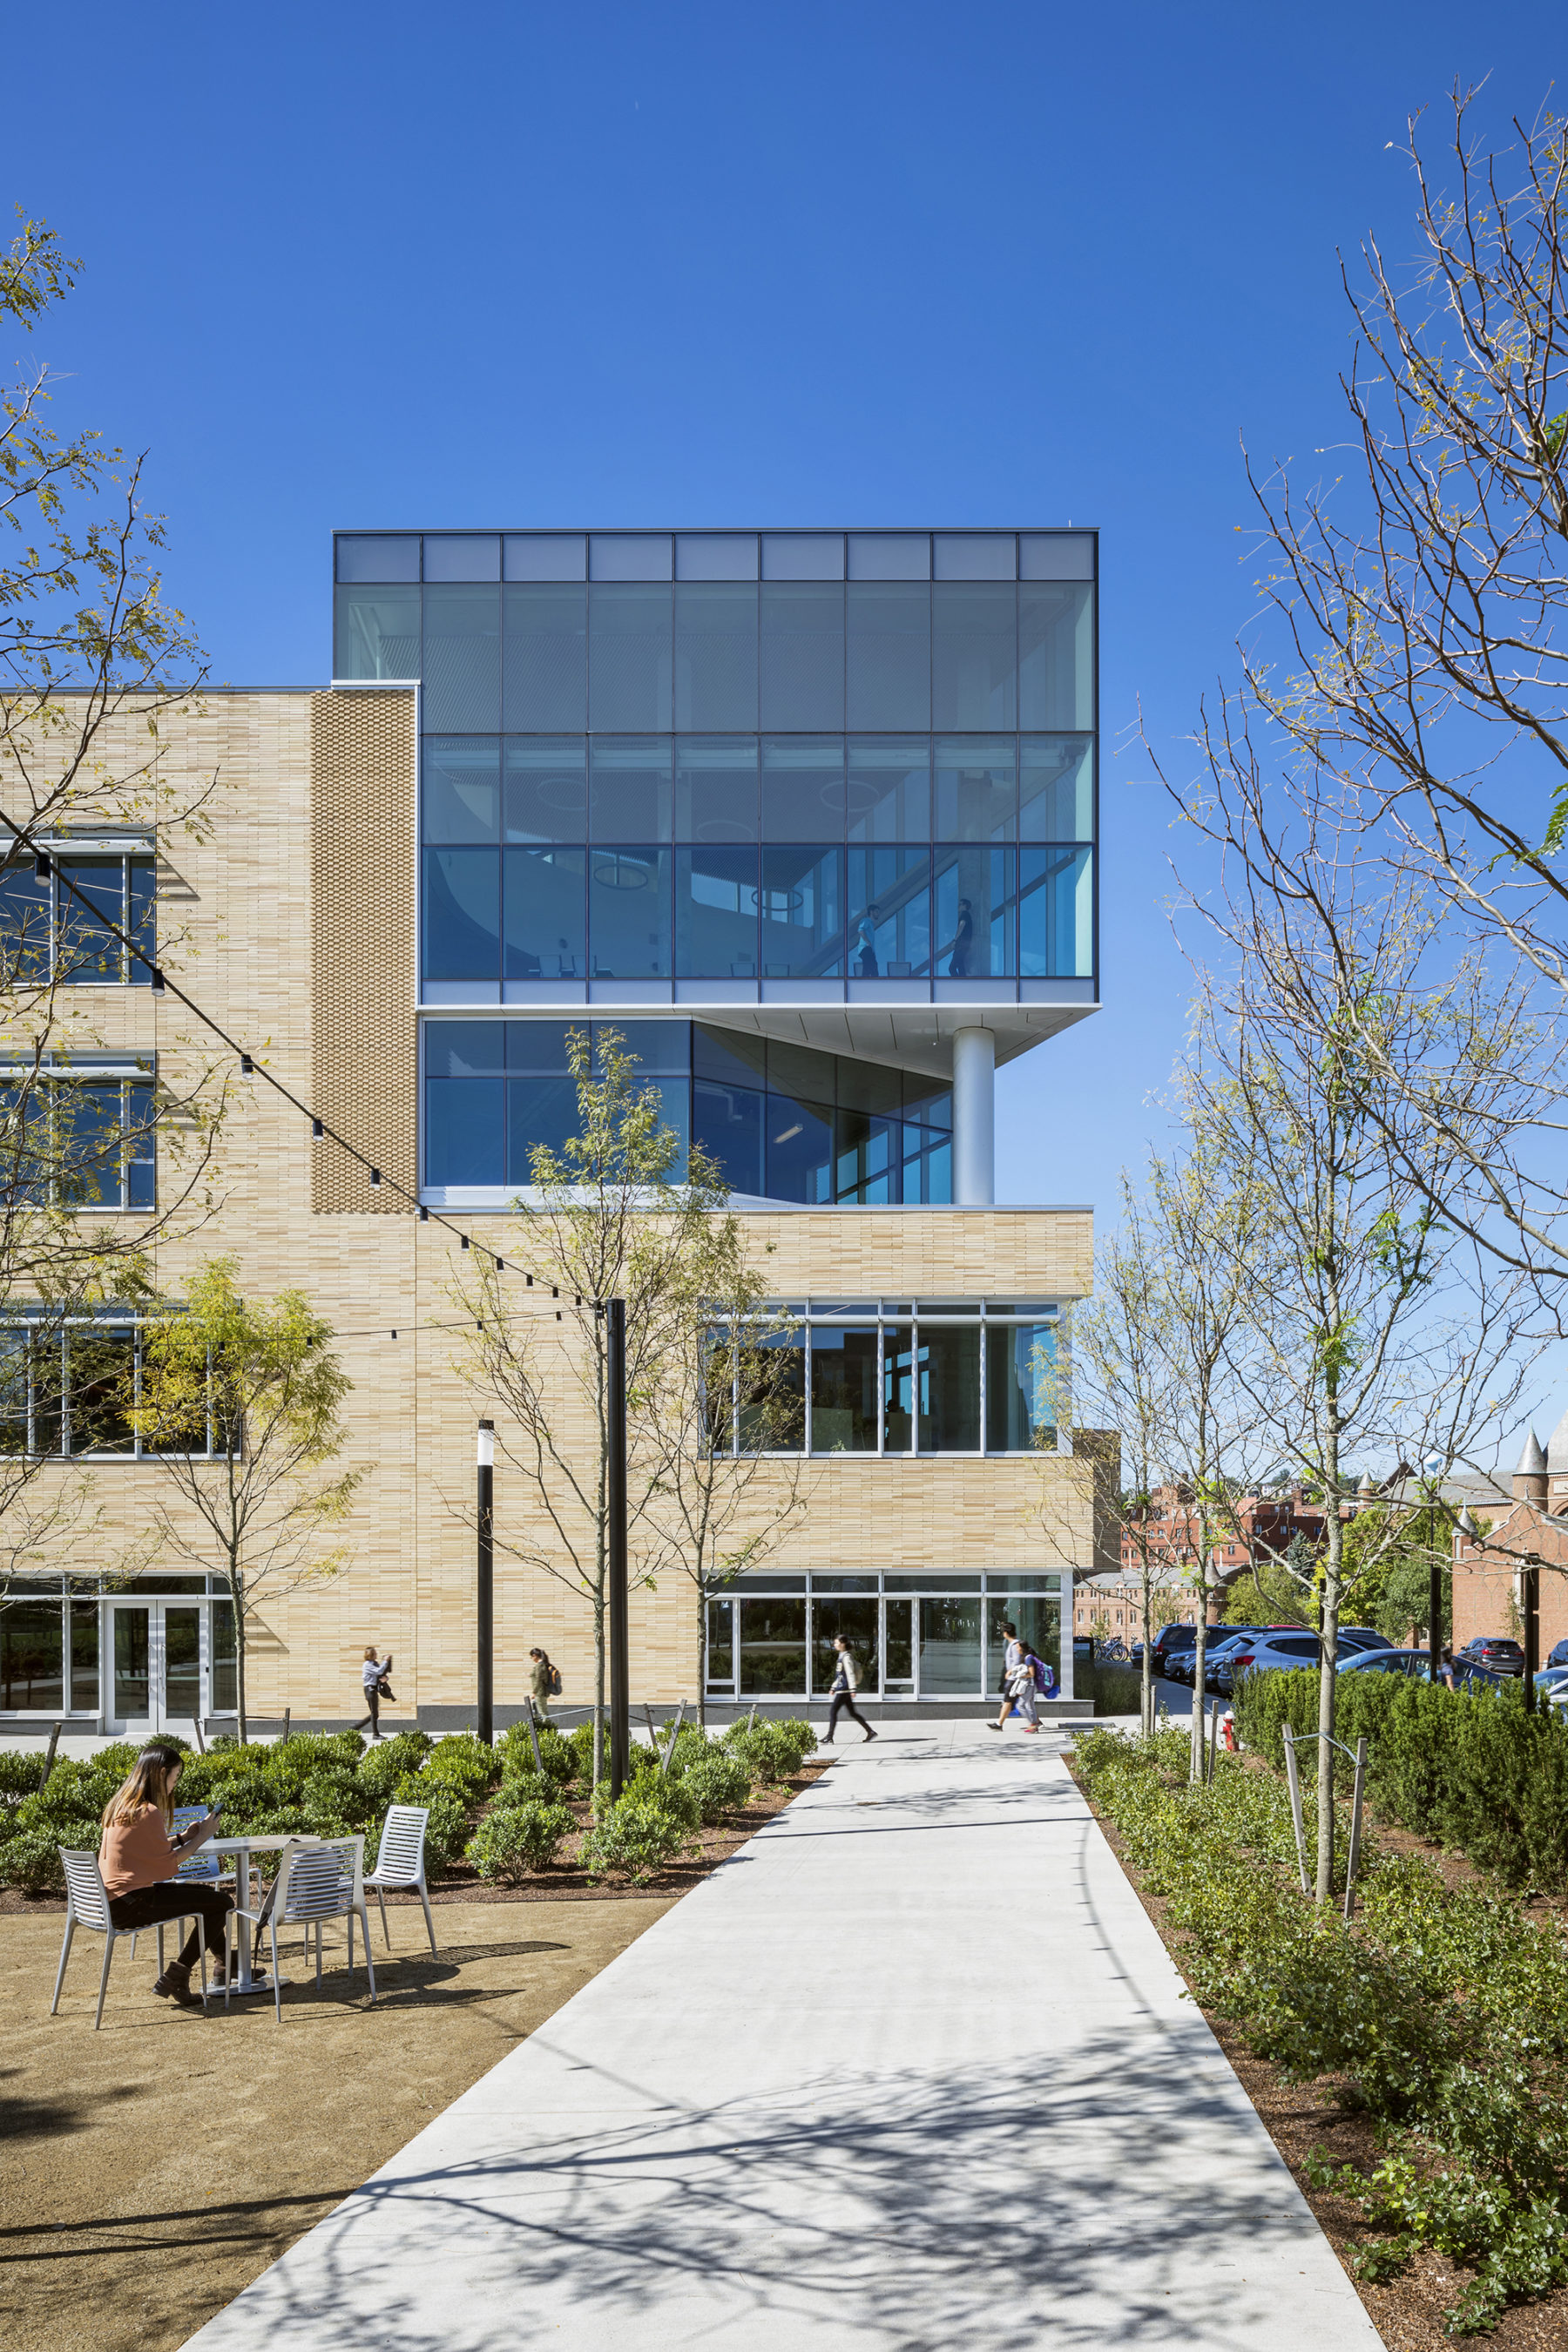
(938, 1636)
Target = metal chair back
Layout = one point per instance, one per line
(320, 1881)
(401, 1860)
(89, 1903)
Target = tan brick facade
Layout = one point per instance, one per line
(298, 919)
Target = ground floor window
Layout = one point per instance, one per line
(145, 1658)
(914, 1636)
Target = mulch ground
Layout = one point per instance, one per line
(150, 2171)
(1408, 2312)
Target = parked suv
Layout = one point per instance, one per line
(1496, 1651)
(1168, 1641)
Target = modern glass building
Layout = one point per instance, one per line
(816, 810)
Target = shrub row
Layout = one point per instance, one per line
(1472, 1771)
(1443, 2014)
(328, 1784)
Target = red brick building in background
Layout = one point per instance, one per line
(1262, 1526)
(1489, 1582)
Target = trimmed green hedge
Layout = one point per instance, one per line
(1472, 1771)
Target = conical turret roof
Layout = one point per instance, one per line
(1557, 1448)
(1532, 1461)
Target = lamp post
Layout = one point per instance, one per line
(484, 1611)
(616, 1500)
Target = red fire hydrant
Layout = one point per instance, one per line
(1227, 1727)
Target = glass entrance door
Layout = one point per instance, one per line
(159, 1666)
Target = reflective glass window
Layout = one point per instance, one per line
(856, 1620)
(1055, 914)
(772, 1646)
(802, 655)
(898, 1388)
(731, 1055)
(868, 1086)
(630, 659)
(1056, 555)
(142, 873)
(803, 788)
(462, 661)
(465, 1131)
(1039, 1626)
(721, 1645)
(803, 911)
(546, 629)
(653, 1045)
(867, 1162)
(27, 921)
(779, 1426)
(1056, 654)
(225, 1670)
(949, 1648)
(975, 657)
(972, 913)
(377, 558)
(545, 915)
(928, 1165)
(1056, 788)
(464, 1049)
(716, 913)
(376, 633)
(948, 1388)
(87, 950)
(462, 555)
(974, 555)
(461, 796)
(83, 1624)
(537, 1049)
(629, 913)
(844, 1383)
(801, 1070)
(929, 1100)
(888, 797)
(629, 794)
(542, 1114)
(976, 788)
(32, 1671)
(715, 655)
(1020, 1387)
(462, 914)
(544, 788)
(889, 654)
(727, 1124)
(715, 788)
(889, 913)
(798, 1146)
(545, 555)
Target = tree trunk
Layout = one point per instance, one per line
(1146, 1699)
(1200, 1655)
(1328, 1678)
(239, 1662)
(701, 1657)
(598, 1683)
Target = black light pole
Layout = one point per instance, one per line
(1435, 1618)
(616, 1500)
(484, 1611)
(1532, 1634)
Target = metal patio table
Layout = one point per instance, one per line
(242, 1848)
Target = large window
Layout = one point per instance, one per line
(71, 1387)
(88, 1646)
(56, 923)
(936, 1635)
(909, 1376)
(78, 1132)
(782, 1122)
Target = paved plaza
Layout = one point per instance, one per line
(911, 2071)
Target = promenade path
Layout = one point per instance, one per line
(911, 2072)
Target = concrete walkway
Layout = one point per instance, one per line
(911, 2072)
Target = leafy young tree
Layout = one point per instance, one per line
(239, 1403)
(610, 1216)
(729, 1413)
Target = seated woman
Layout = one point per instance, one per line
(139, 1859)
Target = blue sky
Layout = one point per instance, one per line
(874, 264)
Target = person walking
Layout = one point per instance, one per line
(846, 1683)
(543, 1683)
(374, 1676)
(1012, 1658)
(139, 1858)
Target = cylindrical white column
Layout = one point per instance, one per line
(974, 1116)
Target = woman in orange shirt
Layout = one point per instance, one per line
(139, 1859)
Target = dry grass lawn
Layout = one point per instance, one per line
(151, 2171)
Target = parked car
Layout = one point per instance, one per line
(1169, 1641)
(1551, 1678)
(1497, 1651)
(1296, 1646)
(1388, 1662)
(1559, 1656)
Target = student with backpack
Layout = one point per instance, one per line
(846, 1683)
(374, 1678)
(543, 1683)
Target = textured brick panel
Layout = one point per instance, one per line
(363, 762)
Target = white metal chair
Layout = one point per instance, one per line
(314, 1884)
(87, 1905)
(400, 1864)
